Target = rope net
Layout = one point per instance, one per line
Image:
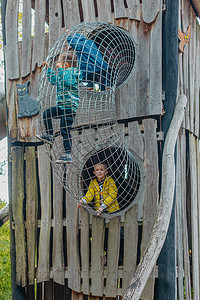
(78, 116)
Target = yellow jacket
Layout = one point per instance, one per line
(109, 194)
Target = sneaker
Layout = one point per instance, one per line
(65, 158)
(48, 138)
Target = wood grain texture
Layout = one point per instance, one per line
(197, 83)
(84, 224)
(119, 9)
(39, 37)
(73, 260)
(55, 21)
(45, 193)
(104, 11)
(150, 10)
(31, 211)
(58, 258)
(71, 13)
(17, 154)
(135, 139)
(112, 257)
(97, 248)
(26, 40)
(11, 48)
(134, 9)
(88, 10)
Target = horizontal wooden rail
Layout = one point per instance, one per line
(160, 229)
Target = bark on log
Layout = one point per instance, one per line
(160, 229)
(4, 215)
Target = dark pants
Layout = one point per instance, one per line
(66, 117)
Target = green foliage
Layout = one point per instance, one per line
(5, 271)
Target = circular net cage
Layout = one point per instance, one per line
(78, 117)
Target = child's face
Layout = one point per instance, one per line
(100, 171)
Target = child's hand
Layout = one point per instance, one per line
(59, 65)
(79, 203)
(45, 64)
(99, 211)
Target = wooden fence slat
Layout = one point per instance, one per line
(155, 105)
(194, 216)
(55, 21)
(58, 259)
(104, 11)
(58, 291)
(112, 257)
(73, 260)
(11, 48)
(88, 10)
(97, 248)
(84, 221)
(179, 225)
(43, 271)
(71, 13)
(135, 139)
(197, 83)
(130, 246)
(39, 38)
(151, 193)
(11, 103)
(26, 40)
(48, 290)
(120, 10)
(31, 210)
(17, 154)
(150, 10)
(134, 9)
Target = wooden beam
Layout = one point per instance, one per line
(4, 215)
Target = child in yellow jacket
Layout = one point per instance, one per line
(103, 189)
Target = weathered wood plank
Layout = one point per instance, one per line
(120, 10)
(11, 48)
(151, 9)
(97, 248)
(45, 192)
(112, 257)
(76, 296)
(17, 154)
(130, 246)
(55, 21)
(135, 139)
(134, 9)
(26, 40)
(88, 10)
(58, 292)
(155, 105)
(73, 260)
(31, 210)
(104, 11)
(71, 13)
(39, 38)
(48, 290)
(194, 216)
(179, 221)
(84, 222)
(197, 83)
(58, 259)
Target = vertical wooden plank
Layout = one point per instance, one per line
(58, 259)
(97, 248)
(76, 296)
(151, 193)
(134, 9)
(88, 10)
(55, 21)
(179, 225)
(112, 257)
(11, 49)
(120, 10)
(48, 290)
(26, 40)
(151, 9)
(104, 11)
(135, 139)
(184, 216)
(30, 292)
(17, 154)
(197, 83)
(155, 105)
(130, 246)
(39, 38)
(71, 13)
(45, 192)
(73, 260)
(31, 210)
(194, 216)
(11, 104)
(84, 222)
(58, 291)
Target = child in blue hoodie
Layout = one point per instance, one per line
(66, 81)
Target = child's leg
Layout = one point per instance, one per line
(48, 114)
(65, 129)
